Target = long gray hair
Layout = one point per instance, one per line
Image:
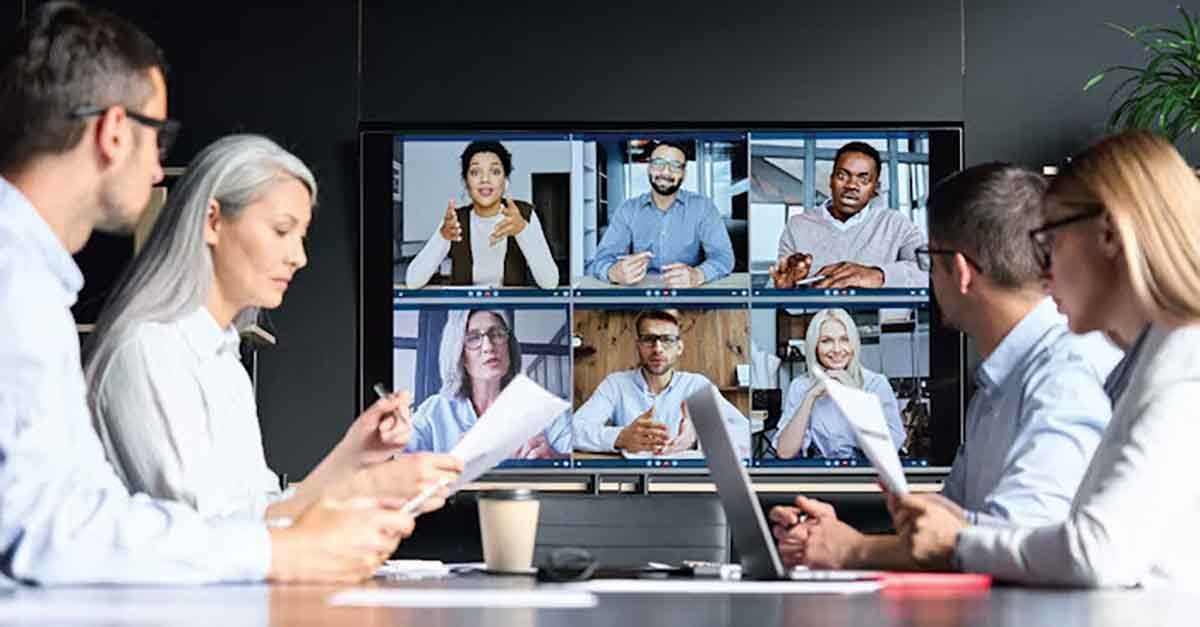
(813, 337)
(171, 276)
(456, 383)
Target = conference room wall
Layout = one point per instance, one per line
(293, 73)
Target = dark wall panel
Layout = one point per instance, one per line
(1027, 62)
(289, 73)
(694, 62)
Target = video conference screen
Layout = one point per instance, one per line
(624, 271)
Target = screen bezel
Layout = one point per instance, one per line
(376, 144)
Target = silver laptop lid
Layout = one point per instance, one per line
(751, 535)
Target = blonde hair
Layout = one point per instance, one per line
(1152, 197)
(813, 337)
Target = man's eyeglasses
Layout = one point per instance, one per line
(474, 339)
(660, 164)
(167, 129)
(648, 340)
(1043, 236)
(925, 257)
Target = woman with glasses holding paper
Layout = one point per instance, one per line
(479, 356)
(1120, 251)
(495, 241)
(171, 401)
(811, 425)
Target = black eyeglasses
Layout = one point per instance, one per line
(474, 339)
(167, 129)
(650, 339)
(1043, 236)
(925, 257)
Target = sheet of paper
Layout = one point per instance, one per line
(718, 586)
(689, 454)
(554, 597)
(865, 415)
(413, 569)
(523, 410)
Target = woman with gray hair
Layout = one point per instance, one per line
(478, 357)
(170, 399)
(810, 419)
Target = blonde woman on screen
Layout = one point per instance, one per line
(810, 419)
(479, 356)
(171, 401)
(1120, 251)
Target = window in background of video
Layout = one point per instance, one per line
(794, 176)
(457, 360)
(884, 351)
(634, 368)
(458, 228)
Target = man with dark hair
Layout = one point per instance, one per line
(84, 121)
(668, 230)
(641, 411)
(846, 242)
(1040, 407)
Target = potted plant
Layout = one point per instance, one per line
(1164, 95)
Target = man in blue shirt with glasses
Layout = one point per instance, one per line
(668, 231)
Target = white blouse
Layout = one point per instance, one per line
(487, 260)
(1134, 518)
(176, 413)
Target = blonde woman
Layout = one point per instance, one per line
(810, 419)
(1120, 250)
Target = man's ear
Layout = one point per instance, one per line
(212, 223)
(964, 273)
(112, 140)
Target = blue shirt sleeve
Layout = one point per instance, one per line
(617, 240)
(592, 421)
(714, 238)
(1064, 414)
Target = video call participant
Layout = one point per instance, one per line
(847, 241)
(479, 357)
(174, 408)
(84, 127)
(1039, 408)
(642, 410)
(1118, 248)
(494, 241)
(811, 424)
(668, 231)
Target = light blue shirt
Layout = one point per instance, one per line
(440, 423)
(827, 427)
(65, 517)
(1034, 422)
(623, 396)
(689, 226)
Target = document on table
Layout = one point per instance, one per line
(523, 410)
(865, 415)
(546, 596)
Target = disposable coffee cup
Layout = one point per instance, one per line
(508, 523)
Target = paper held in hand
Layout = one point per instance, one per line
(523, 410)
(865, 415)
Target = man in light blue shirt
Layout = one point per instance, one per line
(640, 412)
(668, 231)
(77, 154)
(1040, 408)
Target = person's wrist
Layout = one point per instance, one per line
(283, 543)
(882, 274)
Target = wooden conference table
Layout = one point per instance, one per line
(227, 606)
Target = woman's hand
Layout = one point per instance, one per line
(451, 229)
(928, 527)
(511, 225)
(380, 432)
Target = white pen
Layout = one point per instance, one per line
(414, 503)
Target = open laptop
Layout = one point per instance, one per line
(751, 535)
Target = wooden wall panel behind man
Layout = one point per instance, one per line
(715, 341)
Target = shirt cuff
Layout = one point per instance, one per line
(600, 270)
(242, 549)
(609, 435)
(970, 548)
